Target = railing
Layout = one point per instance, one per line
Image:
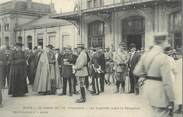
(126, 2)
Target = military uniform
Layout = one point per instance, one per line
(120, 64)
(81, 72)
(67, 72)
(158, 82)
(95, 74)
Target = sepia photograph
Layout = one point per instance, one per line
(91, 58)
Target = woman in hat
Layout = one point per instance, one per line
(18, 75)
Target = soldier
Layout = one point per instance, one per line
(101, 62)
(67, 70)
(108, 65)
(155, 73)
(8, 53)
(81, 71)
(95, 73)
(2, 71)
(120, 64)
(75, 56)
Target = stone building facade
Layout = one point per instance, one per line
(44, 31)
(106, 23)
(15, 13)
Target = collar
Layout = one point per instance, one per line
(158, 48)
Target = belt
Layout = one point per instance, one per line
(153, 78)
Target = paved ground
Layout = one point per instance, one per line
(107, 105)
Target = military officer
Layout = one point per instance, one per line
(120, 62)
(67, 70)
(155, 73)
(81, 71)
(95, 73)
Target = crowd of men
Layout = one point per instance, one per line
(50, 69)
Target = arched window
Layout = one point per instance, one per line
(20, 39)
(7, 41)
(40, 39)
(96, 36)
(29, 42)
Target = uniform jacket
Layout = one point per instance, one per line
(81, 65)
(120, 58)
(159, 93)
(101, 60)
(67, 69)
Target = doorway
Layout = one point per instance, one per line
(136, 39)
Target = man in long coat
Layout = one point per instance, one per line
(132, 62)
(81, 71)
(47, 74)
(155, 73)
(33, 60)
(18, 75)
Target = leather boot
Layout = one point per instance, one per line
(83, 98)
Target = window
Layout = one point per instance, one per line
(6, 27)
(95, 3)
(20, 39)
(29, 42)
(52, 40)
(7, 41)
(66, 40)
(89, 3)
(40, 40)
(96, 34)
(175, 29)
(175, 21)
